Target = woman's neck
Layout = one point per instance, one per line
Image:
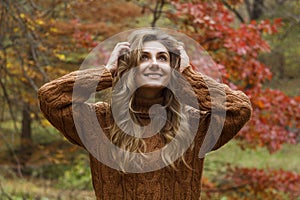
(149, 93)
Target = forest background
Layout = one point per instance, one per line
(255, 43)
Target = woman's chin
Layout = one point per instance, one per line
(154, 86)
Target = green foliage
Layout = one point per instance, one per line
(49, 171)
(78, 176)
(285, 46)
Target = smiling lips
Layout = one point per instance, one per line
(153, 75)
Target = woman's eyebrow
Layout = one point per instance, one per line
(163, 53)
(158, 53)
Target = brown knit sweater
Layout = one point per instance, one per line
(56, 103)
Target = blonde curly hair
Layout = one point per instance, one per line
(176, 122)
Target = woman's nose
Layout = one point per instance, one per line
(154, 61)
(154, 64)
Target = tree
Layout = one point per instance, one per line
(37, 42)
(282, 51)
(276, 116)
(20, 67)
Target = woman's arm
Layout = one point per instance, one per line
(57, 97)
(220, 102)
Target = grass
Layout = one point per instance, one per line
(39, 189)
(287, 158)
(44, 176)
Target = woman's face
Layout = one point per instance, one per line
(154, 69)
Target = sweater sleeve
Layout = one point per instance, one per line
(57, 97)
(219, 102)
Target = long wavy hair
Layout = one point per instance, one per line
(176, 122)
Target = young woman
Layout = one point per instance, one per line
(155, 135)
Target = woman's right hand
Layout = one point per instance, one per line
(120, 49)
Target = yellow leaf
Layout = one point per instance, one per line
(9, 65)
(60, 56)
(53, 29)
(40, 22)
(31, 27)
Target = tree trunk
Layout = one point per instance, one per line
(26, 126)
(257, 9)
(26, 120)
(26, 146)
(281, 65)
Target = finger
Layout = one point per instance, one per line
(181, 44)
(123, 45)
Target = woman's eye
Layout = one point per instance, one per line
(144, 58)
(162, 58)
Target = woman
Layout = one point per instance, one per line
(151, 110)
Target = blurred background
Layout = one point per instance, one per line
(255, 44)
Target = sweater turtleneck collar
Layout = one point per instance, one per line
(142, 105)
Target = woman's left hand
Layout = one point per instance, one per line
(185, 60)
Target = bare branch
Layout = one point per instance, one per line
(4, 193)
(295, 22)
(6, 97)
(234, 11)
(12, 152)
(157, 11)
(33, 5)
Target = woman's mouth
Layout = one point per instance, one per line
(153, 75)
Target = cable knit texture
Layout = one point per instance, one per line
(57, 97)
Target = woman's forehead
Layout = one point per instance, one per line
(154, 46)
